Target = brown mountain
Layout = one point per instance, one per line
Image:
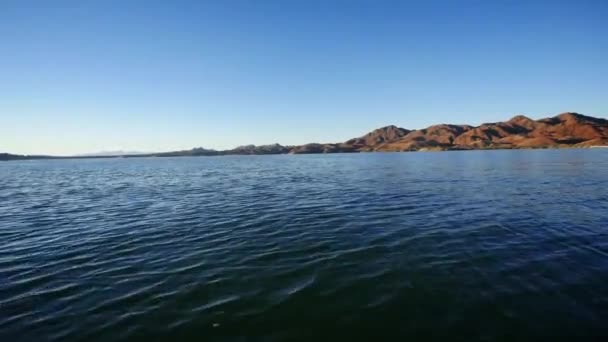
(564, 130)
(372, 141)
(378, 138)
(434, 137)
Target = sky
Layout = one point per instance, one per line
(88, 76)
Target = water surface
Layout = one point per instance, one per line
(476, 245)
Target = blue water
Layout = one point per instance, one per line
(475, 245)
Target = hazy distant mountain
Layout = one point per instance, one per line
(261, 149)
(195, 152)
(561, 131)
(111, 153)
(8, 156)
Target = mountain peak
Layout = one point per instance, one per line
(389, 128)
(573, 117)
(570, 116)
(520, 118)
(379, 136)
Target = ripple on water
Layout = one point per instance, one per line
(487, 245)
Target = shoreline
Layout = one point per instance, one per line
(13, 157)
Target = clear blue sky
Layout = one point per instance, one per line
(85, 76)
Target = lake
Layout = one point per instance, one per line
(471, 245)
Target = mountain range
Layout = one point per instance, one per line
(567, 130)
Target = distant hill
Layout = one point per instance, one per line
(111, 153)
(565, 130)
(262, 149)
(8, 156)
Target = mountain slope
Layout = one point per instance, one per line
(564, 130)
(377, 138)
(433, 137)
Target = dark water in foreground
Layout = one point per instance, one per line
(493, 245)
